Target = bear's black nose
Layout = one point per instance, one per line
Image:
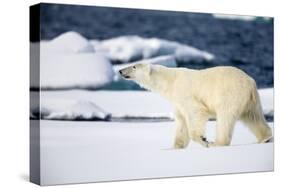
(120, 71)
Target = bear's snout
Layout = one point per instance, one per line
(124, 73)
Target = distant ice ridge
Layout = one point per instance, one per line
(238, 17)
(126, 49)
(165, 60)
(79, 104)
(67, 109)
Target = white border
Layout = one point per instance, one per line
(15, 78)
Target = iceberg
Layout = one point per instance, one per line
(84, 70)
(126, 49)
(69, 61)
(69, 42)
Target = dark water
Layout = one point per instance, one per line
(245, 44)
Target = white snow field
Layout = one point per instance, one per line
(75, 151)
(120, 104)
(130, 48)
(90, 151)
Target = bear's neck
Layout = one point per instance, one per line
(161, 81)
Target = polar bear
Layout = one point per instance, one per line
(224, 93)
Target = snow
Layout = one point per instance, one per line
(68, 42)
(126, 104)
(75, 151)
(67, 109)
(267, 100)
(90, 151)
(69, 61)
(84, 70)
(124, 48)
(118, 103)
(131, 48)
(188, 54)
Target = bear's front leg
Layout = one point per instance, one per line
(182, 135)
(197, 129)
(206, 143)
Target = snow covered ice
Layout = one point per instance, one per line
(67, 109)
(131, 48)
(85, 70)
(86, 151)
(74, 151)
(69, 42)
(125, 104)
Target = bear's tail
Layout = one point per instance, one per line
(255, 111)
(254, 119)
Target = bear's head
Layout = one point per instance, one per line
(148, 76)
(136, 72)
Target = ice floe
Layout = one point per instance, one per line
(68, 42)
(84, 70)
(67, 109)
(126, 49)
(131, 104)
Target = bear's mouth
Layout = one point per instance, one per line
(124, 74)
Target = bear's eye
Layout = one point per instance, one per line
(134, 67)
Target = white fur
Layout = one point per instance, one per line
(225, 93)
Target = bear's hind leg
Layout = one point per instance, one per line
(182, 136)
(224, 129)
(258, 126)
